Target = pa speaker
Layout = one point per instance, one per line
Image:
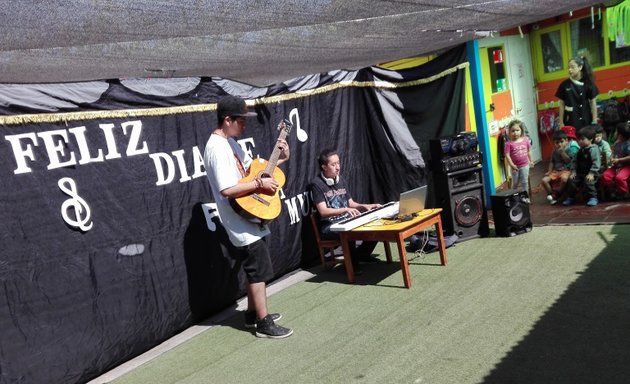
(460, 195)
(511, 213)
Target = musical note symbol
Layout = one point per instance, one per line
(77, 204)
(294, 116)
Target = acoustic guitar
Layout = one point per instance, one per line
(261, 205)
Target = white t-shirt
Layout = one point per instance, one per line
(222, 171)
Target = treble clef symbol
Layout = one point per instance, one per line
(76, 203)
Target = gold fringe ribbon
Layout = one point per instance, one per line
(163, 111)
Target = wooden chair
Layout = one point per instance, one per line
(326, 246)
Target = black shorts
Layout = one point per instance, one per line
(256, 261)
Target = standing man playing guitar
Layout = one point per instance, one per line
(226, 164)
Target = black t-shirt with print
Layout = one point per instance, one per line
(335, 196)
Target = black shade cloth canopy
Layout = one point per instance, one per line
(251, 41)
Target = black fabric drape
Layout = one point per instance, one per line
(110, 240)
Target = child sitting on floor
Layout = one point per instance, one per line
(555, 180)
(570, 131)
(604, 146)
(619, 172)
(585, 168)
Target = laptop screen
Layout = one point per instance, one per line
(412, 201)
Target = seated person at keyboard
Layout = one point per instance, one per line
(333, 202)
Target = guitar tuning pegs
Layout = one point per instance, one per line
(287, 124)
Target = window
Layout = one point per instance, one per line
(551, 45)
(554, 45)
(586, 40)
(619, 50)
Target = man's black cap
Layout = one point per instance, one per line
(232, 106)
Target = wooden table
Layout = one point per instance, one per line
(389, 230)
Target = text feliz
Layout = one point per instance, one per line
(70, 147)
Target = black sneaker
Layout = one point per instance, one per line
(267, 328)
(250, 318)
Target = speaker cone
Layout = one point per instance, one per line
(517, 215)
(511, 213)
(468, 211)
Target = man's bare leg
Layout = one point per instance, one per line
(257, 299)
(265, 324)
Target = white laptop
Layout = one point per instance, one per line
(411, 202)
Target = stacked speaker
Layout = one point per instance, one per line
(510, 211)
(458, 185)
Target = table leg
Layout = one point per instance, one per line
(388, 251)
(440, 236)
(347, 259)
(404, 263)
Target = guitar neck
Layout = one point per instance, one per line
(273, 159)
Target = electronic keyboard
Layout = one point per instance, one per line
(385, 211)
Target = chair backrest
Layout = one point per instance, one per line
(315, 224)
(324, 246)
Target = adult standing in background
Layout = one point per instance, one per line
(578, 94)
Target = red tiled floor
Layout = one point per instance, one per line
(543, 213)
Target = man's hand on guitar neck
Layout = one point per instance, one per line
(284, 150)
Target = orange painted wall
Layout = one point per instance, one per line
(606, 79)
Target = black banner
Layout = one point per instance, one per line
(110, 239)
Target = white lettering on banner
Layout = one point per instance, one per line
(112, 151)
(179, 155)
(56, 142)
(21, 153)
(198, 163)
(294, 214)
(84, 150)
(247, 145)
(56, 148)
(79, 206)
(134, 139)
(163, 178)
(167, 175)
(209, 211)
